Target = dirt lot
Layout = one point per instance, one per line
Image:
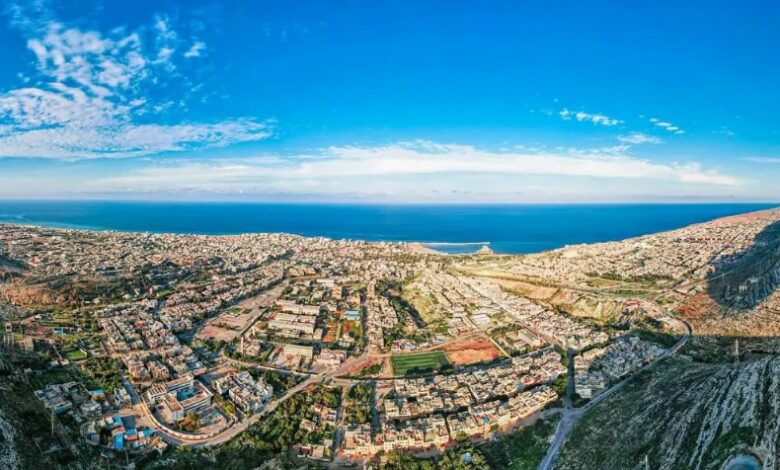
(471, 352)
(355, 368)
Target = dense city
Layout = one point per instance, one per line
(137, 347)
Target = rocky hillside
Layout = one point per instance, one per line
(10, 267)
(683, 415)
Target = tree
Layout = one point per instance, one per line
(193, 421)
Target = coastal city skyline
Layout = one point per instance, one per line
(382, 102)
(374, 235)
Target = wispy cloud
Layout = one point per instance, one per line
(667, 125)
(770, 160)
(598, 119)
(91, 91)
(195, 50)
(327, 170)
(637, 138)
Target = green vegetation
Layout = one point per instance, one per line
(652, 278)
(373, 369)
(75, 355)
(522, 450)
(213, 346)
(23, 412)
(393, 292)
(660, 417)
(225, 404)
(358, 408)
(426, 304)
(42, 378)
(274, 435)
(280, 382)
(360, 392)
(560, 384)
(418, 363)
(454, 459)
(191, 423)
(629, 292)
(101, 372)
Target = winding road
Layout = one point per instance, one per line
(571, 416)
(234, 430)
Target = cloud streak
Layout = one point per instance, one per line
(637, 138)
(667, 126)
(769, 160)
(597, 119)
(327, 170)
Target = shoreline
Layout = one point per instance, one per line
(532, 245)
(415, 246)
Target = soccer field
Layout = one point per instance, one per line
(420, 362)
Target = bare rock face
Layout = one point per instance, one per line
(745, 279)
(683, 415)
(9, 457)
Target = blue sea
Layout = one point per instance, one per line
(451, 228)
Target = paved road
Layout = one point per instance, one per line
(572, 415)
(242, 426)
(134, 398)
(237, 428)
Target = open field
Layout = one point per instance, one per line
(228, 325)
(471, 352)
(75, 355)
(357, 368)
(419, 362)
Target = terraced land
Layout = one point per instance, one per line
(418, 362)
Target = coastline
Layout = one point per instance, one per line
(449, 230)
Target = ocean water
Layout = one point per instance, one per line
(464, 228)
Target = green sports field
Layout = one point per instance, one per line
(418, 362)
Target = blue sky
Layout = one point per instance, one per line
(546, 101)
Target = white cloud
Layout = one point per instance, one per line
(196, 50)
(127, 140)
(637, 138)
(92, 87)
(667, 125)
(598, 119)
(332, 169)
